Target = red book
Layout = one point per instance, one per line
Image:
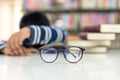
(92, 28)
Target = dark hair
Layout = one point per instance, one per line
(34, 18)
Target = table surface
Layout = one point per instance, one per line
(102, 66)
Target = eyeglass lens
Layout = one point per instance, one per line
(49, 54)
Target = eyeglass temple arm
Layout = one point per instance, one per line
(72, 54)
(79, 52)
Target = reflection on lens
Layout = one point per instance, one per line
(49, 54)
(73, 54)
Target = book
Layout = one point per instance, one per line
(72, 37)
(71, 4)
(99, 4)
(95, 28)
(84, 4)
(118, 4)
(89, 43)
(96, 36)
(113, 4)
(96, 50)
(58, 46)
(61, 45)
(111, 28)
(37, 4)
(88, 4)
(70, 21)
(107, 28)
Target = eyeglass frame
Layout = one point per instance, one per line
(63, 51)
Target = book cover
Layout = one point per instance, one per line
(96, 50)
(106, 28)
(70, 20)
(92, 28)
(71, 4)
(89, 43)
(92, 4)
(106, 4)
(37, 4)
(97, 36)
(84, 4)
(99, 4)
(111, 28)
(118, 4)
(112, 4)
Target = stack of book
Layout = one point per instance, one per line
(97, 39)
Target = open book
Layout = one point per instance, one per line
(57, 45)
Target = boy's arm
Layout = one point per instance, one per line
(45, 35)
(2, 45)
(33, 35)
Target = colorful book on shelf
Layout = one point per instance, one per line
(71, 4)
(91, 19)
(100, 4)
(70, 21)
(113, 4)
(110, 4)
(97, 36)
(96, 50)
(84, 4)
(106, 4)
(88, 4)
(118, 4)
(89, 43)
(37, 4)
(107, 28)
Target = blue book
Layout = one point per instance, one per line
(112, 4)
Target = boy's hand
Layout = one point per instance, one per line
(16, 40)
(6, 51)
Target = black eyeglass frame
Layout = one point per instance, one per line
(62, 49)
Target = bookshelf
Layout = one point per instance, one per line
(53, 6)
(77, 7)
(78, 14)
(55, 10)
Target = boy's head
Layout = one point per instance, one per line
(34, 18)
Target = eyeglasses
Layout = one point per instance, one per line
(72, 54)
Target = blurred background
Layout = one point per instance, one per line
(10, 14)
(83, 19)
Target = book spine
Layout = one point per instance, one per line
(83, 36)
(92, 29)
